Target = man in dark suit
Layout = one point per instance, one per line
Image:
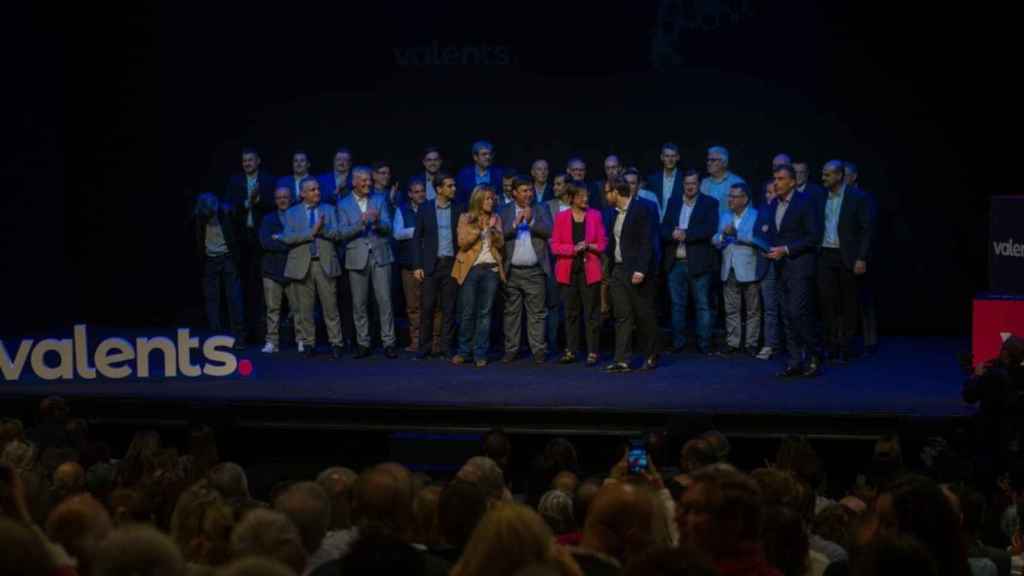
(481, 172)
(866, 288)
(527, 229)
(631, 268)
(218, 245)
(300, 171)
(795, 232)
(667, 183)
(613, 170)
(805, 185)
(542, 189)
(845, 244)
(338, 182)
(251, 193)
(576, 168)
(275, 257)
(434, 246)
(691, 220)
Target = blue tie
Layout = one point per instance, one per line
(312, 223)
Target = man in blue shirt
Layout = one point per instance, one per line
(481, 172)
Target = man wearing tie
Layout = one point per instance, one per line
(795, 232)
(311, 229)
(365, 228)
(528, 270)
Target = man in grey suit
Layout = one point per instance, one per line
(528, 270)
(310, 230)
(365, 228)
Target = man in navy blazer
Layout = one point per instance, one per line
(631, 269)
(845, 245)
(300, 171)
(434, 246)
(795, 233)
(251, 192)
(667, 183)
(275, 257)
(337, 182)
(482, 171)
(691, 220)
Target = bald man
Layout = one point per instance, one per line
(68, 480)
(618, 527)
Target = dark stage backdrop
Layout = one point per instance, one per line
(134, 111)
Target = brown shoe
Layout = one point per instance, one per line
(458, 360)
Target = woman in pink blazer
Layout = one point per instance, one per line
(577, 242)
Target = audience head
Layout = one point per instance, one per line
(495, 445)
(719, 511)
(565, 481)
(583, 498)
(483, 154)
(620, 521)
(24, 552)
(834, 523)
(460, 507)
(717, 160)
(229, 479)
(381, 552)
(128, 506)
(135, 550)
(307, 506)
(510, 536)
(99, 479)
(337, 483)
(68, 480)
(255, 566)
(382, 498)
(667, 561)
(269, 534)
(556, 509)
(669, 156)
(891, 554)
(916, 506)
(79, 524)
(796, 455)
(53, 409)
(425, 517)
(785, 540)
(486, 474)
(201, 525)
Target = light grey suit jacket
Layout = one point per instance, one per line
(540, 234)
(298, 236)
(362, 240)
(740, 256)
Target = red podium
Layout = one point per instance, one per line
(996, 316)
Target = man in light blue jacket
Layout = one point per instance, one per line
(740, 239)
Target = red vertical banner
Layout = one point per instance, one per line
(994, 320)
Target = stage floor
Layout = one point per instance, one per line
(907, 378)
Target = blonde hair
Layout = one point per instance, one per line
(509, 537)
(476, 200)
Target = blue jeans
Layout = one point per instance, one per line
(770, 302)
(680, 283)
(477, 298)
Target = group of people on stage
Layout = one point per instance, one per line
(489, 242)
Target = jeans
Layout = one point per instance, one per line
(680, 283)
(477, 296)
(770, 305)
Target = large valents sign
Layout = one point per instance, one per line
(118, 358)
(1006, 245)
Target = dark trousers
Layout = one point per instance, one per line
(348, 323)
(795, 303)
(580, 297)
(837, 296)
(223, 271)
(251, 280)
(633, 305)
(866, 288)
(441, 285)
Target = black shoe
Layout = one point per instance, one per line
(390, 352)
(539, 358)
(240, 344)
(753, 351)
(309, 352)
(705, 351)
(337, 352)
(567, 358)
(813, 368)
(790, 372)
(617, 368)
(362, 352)
(509, 357)
(650, 364)
(592, 359)
(842, 357)
(423, 355)
(729, 351)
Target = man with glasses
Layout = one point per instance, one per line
(742, 268)
(720, 180)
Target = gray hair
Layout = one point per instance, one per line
(721, 151)
(271, 534)
(307, 506)
(361, 169)
(486, 474)
(19, 455)
(555, 507)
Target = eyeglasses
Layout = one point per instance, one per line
(737, 195)
(710, 160)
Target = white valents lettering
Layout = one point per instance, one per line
(68, 358)
(1009, 248)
